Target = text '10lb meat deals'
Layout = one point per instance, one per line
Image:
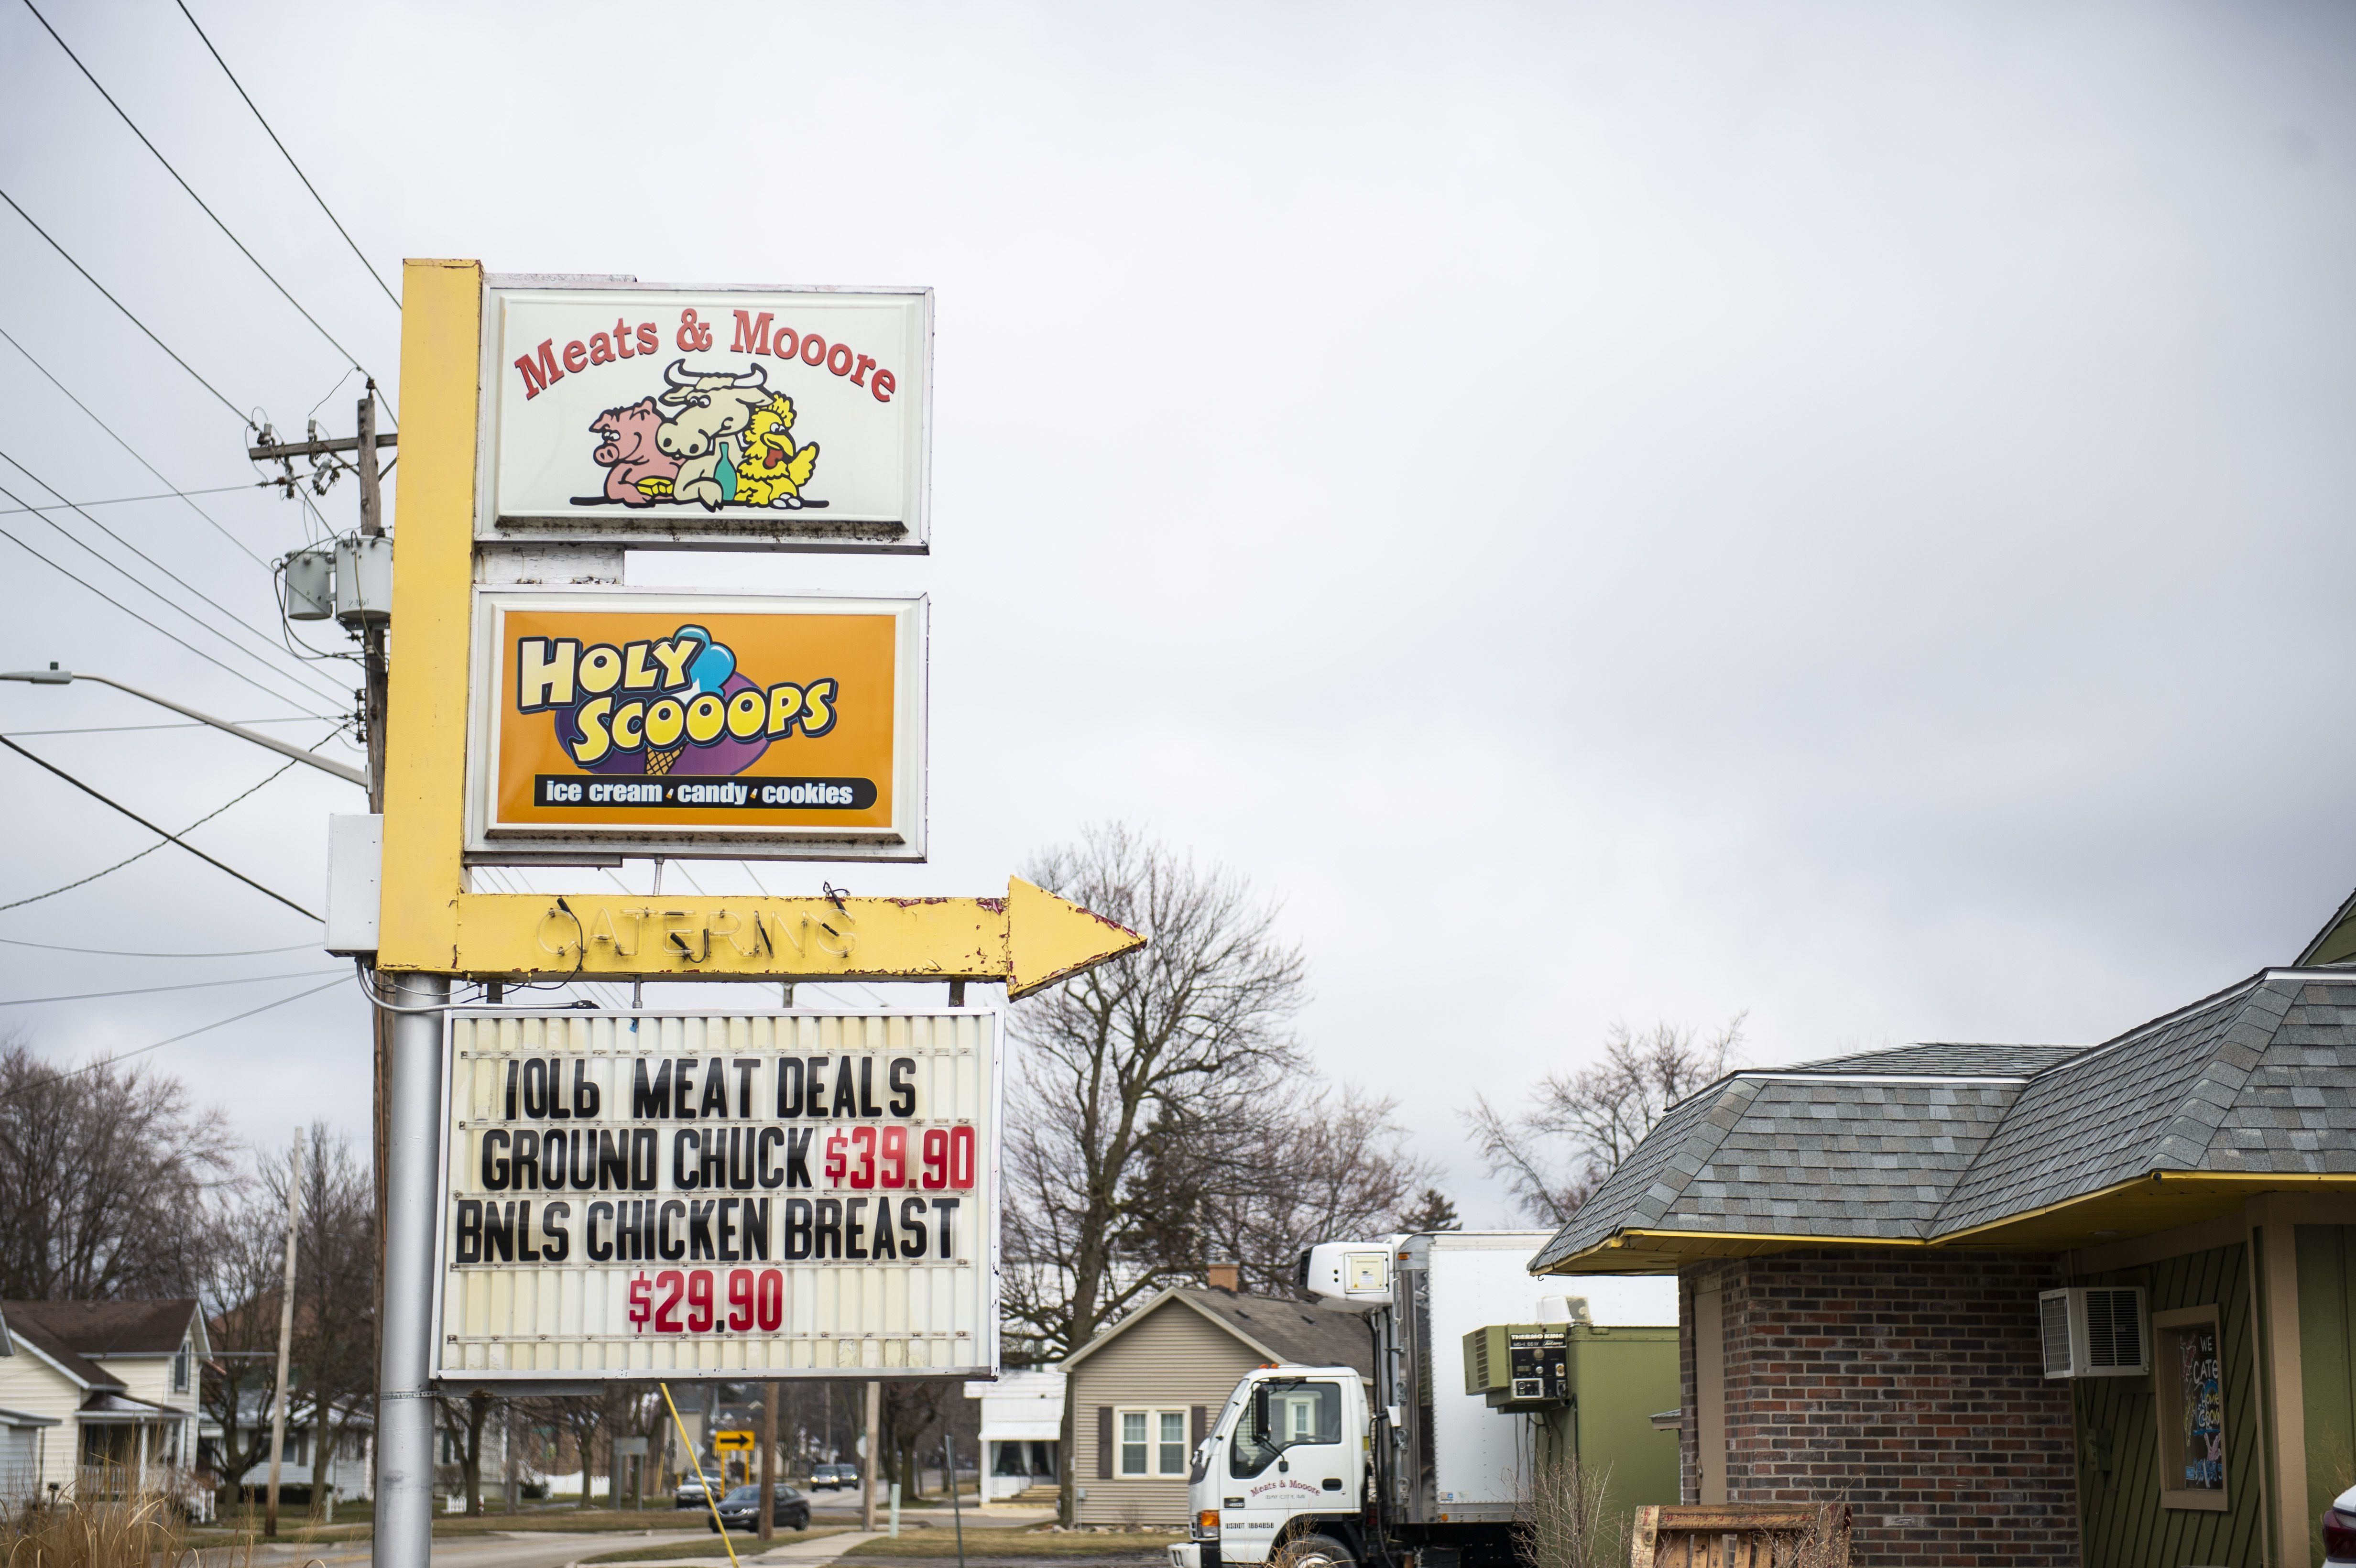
(675, 1194)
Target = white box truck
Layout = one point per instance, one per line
(1335, 1469)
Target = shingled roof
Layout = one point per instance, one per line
(1993, 1145)
(1286, 1331)
(70, 1332)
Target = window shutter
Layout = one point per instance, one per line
(1201, 1429)
(1104, 1443)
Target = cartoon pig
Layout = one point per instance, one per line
(637, 473)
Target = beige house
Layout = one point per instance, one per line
(100, 1395)
(1146, 1390)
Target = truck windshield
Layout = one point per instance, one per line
(1281, 1415)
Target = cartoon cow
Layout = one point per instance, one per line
(775, 469)
(637, 474)
(711, 411)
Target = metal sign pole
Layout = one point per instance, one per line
(405, 1421)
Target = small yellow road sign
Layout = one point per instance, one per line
(731, 1442)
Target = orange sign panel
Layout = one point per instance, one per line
(661, 724)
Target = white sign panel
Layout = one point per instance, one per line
(723, 418)
(678, 1195)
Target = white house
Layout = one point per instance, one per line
(99, 1395)
(1022, 1431)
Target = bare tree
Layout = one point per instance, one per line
(1192, 1031)
(469, 1418)
(110, 1178)
(1576, 1127)
(1314, 1167)
(333, 1356)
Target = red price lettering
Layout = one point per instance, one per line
(864, 1177)
(699, 1301)
(961, 1157)
(937, 1158)
(837, 1157)
(641, 1301)
(772, 1300)
(670, 1279)
(740, 1299)
(895, 1157)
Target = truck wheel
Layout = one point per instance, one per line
(1314, 1552)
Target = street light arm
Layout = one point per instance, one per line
(55, 677)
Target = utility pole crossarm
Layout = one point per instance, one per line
(269, 451)
(56, 677)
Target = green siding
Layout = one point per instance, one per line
(2118, 1444)
(1620, 1377)
(2327, 1360)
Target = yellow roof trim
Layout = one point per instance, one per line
(2157, 1201)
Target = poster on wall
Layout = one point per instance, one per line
(677, 1194)
(620, 721)
(717, 418)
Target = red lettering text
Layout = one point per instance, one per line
(536, 377)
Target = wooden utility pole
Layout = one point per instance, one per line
(769, 1461)
(372, 706)
(285, 1338)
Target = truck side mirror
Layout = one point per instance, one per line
(1259, 1412)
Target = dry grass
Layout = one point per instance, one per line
(1824, 1543)
(1563, 1520)
(131, 1532)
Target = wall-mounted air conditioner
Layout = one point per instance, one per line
(2093, 1331)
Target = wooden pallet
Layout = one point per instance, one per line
(1733, 1535)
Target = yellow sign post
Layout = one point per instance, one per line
(540, 712)
(433, 923)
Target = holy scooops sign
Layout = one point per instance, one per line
(696, 724)
(669, 1195)
(725, 418)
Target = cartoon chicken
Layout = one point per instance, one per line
(774, 469)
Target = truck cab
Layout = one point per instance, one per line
(1286, 1461)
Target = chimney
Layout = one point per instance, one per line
(1223, 1276)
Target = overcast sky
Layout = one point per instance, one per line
(1608, 512)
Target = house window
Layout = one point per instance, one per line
(180, 1369)
(1152, 1443)
(2190, 1374)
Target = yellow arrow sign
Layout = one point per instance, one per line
(731, 1442)
(1028, 939)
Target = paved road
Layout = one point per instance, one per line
(523, 1548)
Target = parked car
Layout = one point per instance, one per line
(833, 1477)
(690, 1493)
(2340, 1532)
(741, 1508)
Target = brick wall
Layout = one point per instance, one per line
(1912, 1387)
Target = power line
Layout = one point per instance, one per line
(151, 990)
(135, 454)
(185, 185)
(290, 159)
(127, 729)
(242, 418)
(126, 500)
(151, 827)
(142, 854)
(202, 1029)
(302, 677)
(121, 953)
(143, 620)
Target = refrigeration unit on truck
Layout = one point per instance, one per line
(1415, 1465)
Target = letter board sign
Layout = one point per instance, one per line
(675, 1195)
(719, 418)
(611, 720)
